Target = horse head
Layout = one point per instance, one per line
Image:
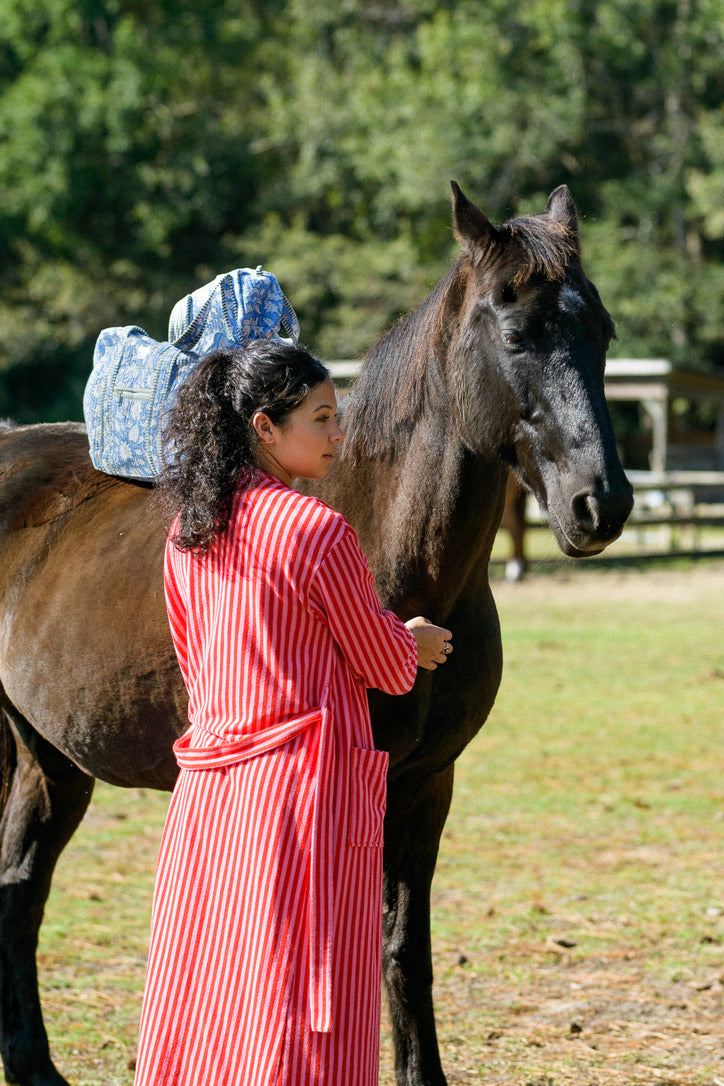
(525, 365)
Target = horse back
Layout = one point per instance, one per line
(45, 471)
(84, 641)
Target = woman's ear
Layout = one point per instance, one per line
(264, 427)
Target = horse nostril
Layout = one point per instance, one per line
(585, 510)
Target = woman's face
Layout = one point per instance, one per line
(304, 445)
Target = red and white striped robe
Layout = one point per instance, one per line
(264, 965)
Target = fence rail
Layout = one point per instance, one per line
(677, 505)
(681, 504)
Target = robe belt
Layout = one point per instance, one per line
(321, 859)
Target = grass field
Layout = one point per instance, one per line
(579, 899)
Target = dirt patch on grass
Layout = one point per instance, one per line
(550, 1013)
(587, 1021)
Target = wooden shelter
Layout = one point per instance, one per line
(681, 415)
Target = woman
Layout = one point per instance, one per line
(264, 966)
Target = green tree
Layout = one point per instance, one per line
(125, 154)
(379, 107)
(622, 99)
(146, 147)
(654, 152)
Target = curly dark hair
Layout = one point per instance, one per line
(209, 439)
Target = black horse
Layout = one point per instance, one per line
(502, 366)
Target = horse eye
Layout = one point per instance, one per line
(512, 338)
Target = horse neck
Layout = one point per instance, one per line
(426, 513)
(441, 522)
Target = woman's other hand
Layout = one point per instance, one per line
(433, 642)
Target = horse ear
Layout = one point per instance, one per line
(472, 229)
(560, 207)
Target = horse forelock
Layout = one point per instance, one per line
(531, 246)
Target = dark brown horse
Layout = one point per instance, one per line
(501, 366)
(514, 523)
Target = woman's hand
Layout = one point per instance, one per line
(433, 642)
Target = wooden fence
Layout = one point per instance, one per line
(672, 512)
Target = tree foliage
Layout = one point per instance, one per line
(144, 147)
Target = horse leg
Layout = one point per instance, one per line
(412, 838)
(514, 522)
(46, 796)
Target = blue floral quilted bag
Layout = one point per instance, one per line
(135, 379)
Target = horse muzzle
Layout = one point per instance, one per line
(591, 519)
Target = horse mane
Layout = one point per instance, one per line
(396, 381)
(402, 375)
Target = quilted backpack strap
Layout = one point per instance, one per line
(289, 319)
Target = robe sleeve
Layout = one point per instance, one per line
(176, 607)
(377, 646)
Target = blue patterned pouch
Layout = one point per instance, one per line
(135, 379)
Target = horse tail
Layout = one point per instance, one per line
(8, 759)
